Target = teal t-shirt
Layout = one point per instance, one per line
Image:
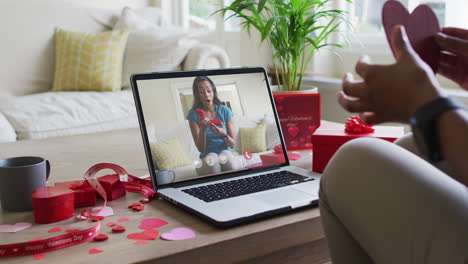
(214, 142)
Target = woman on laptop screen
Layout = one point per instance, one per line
(211, 123)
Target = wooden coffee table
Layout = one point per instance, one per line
(292, 238)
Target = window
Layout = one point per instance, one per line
(369, 37)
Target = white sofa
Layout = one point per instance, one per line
(28, 108)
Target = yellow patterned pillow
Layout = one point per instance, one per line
(253, 138)
(169, 154)
(89, 61)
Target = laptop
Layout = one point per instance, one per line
(214, 145)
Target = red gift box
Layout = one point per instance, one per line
(300, 115)
(52, 204)
(85, 195)
(329, 137)
(272, 158)
(113, 186)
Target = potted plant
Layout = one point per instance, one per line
(294, 31)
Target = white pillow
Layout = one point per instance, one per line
(7, 132)
(152, 48)
(141, 19)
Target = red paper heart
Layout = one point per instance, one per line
(141, 242)
(39, 256)
(118, 229)
(201, 113)
(150, 223)
(54, 229)
(421, 26)
(145, 235)
(95, 251)
(145, 200)
(133, 205)
(100, 237)
(293, 131)
(110, 224)
(35, 239)
(123, 219)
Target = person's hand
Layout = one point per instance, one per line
(204, 122)
(454, 57)
(390, 92)
(218, 130)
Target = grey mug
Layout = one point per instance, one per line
(19, 178)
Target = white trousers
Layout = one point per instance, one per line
(381, 203)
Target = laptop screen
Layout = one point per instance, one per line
(206, 123)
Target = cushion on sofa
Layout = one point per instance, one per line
(89, 61)
(69, 113)
(7, 132)
(152, 47)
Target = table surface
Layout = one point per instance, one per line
(71, 156)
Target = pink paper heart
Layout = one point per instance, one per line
(421, 26)
(180, 233)
(14, 228)
(95, 251)
(106, 211)
(150, 223)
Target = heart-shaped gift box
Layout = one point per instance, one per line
(52, 204)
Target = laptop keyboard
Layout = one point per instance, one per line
(258, 183)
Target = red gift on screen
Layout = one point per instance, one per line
(299, 114)
(330, 136)
(216, 122)
(85, 195)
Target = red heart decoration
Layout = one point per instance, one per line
(54, 229)
(293, 131)
(145, 235)
(123, 219)
(140, 242)
(100, 237)
(216, 122)
(145, 200)
(110, 224)
(95, 251)
(421, 26)
(118, 229)
(39, 256)
(312, 128)
(294, 143)
(150, 223)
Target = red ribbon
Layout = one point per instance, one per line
(355, 125)
(49, 244)
(130, 182)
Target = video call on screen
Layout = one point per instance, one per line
(207, 125)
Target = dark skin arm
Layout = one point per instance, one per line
(394, 92)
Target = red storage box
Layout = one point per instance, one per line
(113, 186)
(300, 114)
(52, 204)
(330, 136)
(85, 195)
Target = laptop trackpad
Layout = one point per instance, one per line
(285, 197)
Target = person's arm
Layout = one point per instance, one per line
(395, 92)
(231, 134)
(198, 135)
(452, 129)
